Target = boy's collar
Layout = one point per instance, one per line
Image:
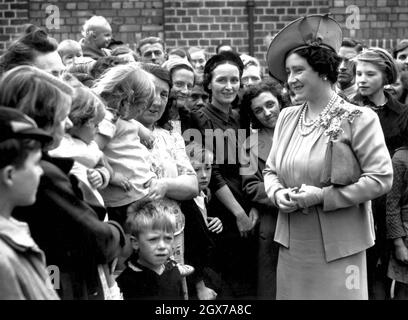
(17, 235)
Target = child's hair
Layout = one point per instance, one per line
(67, 45)
(149, 216)
(36, 93)
(86, 106)
(103, 64)
(125, 86)
(91, 23)
(16, 151)
(198, 153)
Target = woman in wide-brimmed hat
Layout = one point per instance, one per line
(324, 224)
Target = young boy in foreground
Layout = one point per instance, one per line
(23, 275)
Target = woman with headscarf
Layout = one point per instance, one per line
(328, 160)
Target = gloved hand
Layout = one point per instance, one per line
(307, 196)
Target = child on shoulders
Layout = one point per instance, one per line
(97, 34)
(70, 52)
(90, 167)
(127, 90)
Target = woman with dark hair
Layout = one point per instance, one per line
(221, 132)
(33, 47)
(376, 68)
(399, 89)
(261, 104)
(328, 160)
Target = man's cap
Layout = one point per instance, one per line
(16, 125)
(312, 30)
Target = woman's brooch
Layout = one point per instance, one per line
(331, 122)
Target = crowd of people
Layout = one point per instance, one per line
(176, 174)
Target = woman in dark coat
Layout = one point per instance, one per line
(219, 125)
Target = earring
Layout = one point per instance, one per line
(325, 78)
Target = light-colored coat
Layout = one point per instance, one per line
(23, 275)
(345, 215)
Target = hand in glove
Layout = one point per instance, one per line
(307, 196)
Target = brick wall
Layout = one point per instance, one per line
(202, 22)
(382, 20)
(13, 14)
(130, 20)
(209, 22)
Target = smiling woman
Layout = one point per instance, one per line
(168, 156)
(235, 248)
(182, 81)
(261, 105)
(322, 228)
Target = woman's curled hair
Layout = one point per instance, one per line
(322, 60)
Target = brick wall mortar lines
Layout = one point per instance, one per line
(216, 20)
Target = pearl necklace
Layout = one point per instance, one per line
(312, 125)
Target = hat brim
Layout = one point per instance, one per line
(35, 134)
(290, 38)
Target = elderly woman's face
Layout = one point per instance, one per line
(199, 60)
(369, 78)
(183, 82)
(302, 79)
(265, 108)
(224, 84)
(155, 111)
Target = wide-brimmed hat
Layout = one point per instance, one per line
(314, 30)
(16, 125)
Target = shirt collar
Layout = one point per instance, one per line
(219, 114)
(391, 104)
(17, 234)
